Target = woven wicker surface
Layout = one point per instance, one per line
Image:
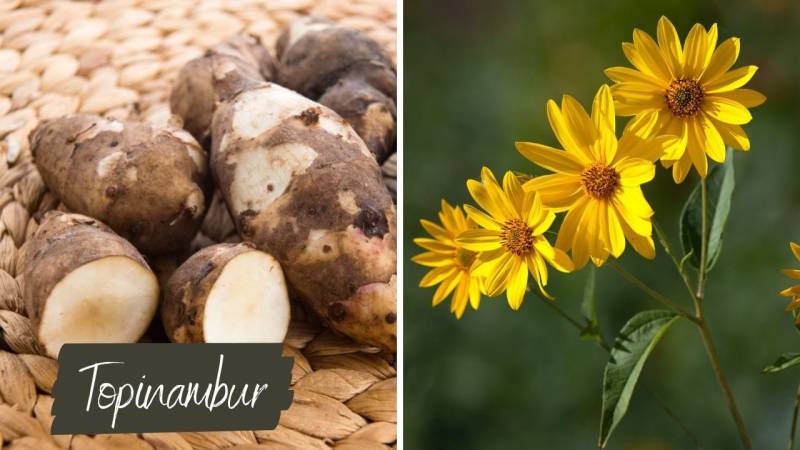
(119, 59)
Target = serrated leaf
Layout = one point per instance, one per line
(720, 183)
(634, 344)
(785, 361)
(591, 331)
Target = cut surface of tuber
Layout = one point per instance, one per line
(248, 302)
(110, 299)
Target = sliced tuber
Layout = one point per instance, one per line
(226, 293)
(84, 284)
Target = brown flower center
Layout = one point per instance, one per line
(517, 237)
(464, 258)
(684, 97)
(600, 181)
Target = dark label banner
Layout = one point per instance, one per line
(150, 388)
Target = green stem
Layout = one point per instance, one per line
(641, 285)
(662, 237)
(701, 323)
(713, 357)
(793, 430)
(575, 323)
(701, 278)
(604, 345)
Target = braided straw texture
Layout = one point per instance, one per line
(118, 59)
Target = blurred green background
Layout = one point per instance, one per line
(477, 76)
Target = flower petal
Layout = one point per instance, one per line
(604, 119)
(437, 275)
(670, 45)
(650, 54)
(558, 191)
(474, 292)
(616, 237)
(721, 60)
(795, 250)
(696, 147)
(711, 43)
(431, 259)
(544, 224)
(563, 132)
(747, 97)
(436, 231)
(633, 198)
(555, 256)
(639, 225)
(726, 110)
(793, 291)
(517, 283)
(497, 281)
(715, 147)
(490, 197)
(635, 171)
(479, 240)
(681, 168)
(731, 80)
(792, 273)
(550, 158)
(459, 302)
(695, 52)
(434, 245)
(733, 135)
(566, 234)
(635, 58)
(631, 99)
(581, 127)
(679, 127)
(628, 75)
(643, 245)
(497, 194)
(447, 287)
(482, 219)
(538, 214)
(513, 189)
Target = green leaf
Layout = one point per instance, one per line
(720, 184)
(591, 331)
(634, 344)
(785, 361)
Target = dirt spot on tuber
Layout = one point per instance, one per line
(244, 220)
(372, 222)
(205, 270)
(391, 318)
(310, 116)
(337, 312)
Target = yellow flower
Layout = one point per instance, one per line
(597, 179)
(794, 291)
(451, 263)
(511, 243)
(690, 91)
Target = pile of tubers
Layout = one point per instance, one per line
(300, 179)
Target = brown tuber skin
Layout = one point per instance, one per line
(193, 97)
(147, 183)
(252, 299)
(301, 185)
(83, 283)
(346, 71)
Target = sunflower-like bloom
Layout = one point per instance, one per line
(597, 178)
(794, 291)
(511, 243)
(451, 263)
(690, 91)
